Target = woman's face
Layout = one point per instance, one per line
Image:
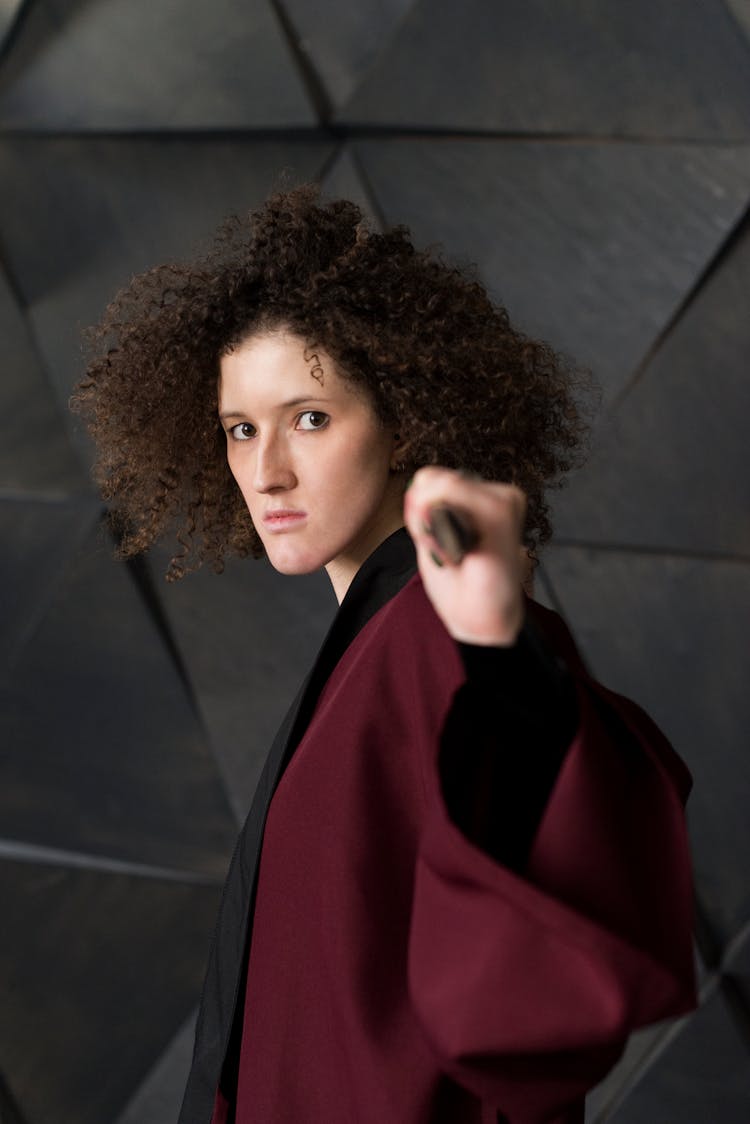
(310, 456)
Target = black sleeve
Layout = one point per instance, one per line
(504, 741)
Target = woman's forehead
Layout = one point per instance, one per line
(279, 368)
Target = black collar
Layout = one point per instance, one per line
(379, 578)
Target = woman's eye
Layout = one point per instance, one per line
(242, 432)
(312, 419)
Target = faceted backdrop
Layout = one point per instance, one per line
(594, 160)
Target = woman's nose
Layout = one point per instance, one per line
(273, 469)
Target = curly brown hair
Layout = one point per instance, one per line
(440, 361)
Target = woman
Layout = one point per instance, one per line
(464, 878)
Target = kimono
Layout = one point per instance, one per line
(463, 881)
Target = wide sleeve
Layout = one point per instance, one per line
(527, 976)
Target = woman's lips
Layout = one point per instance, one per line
(283, 519)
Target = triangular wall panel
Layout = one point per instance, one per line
(96, 969)
(344, 45)
(103, 751)
(740, 10)
(35, 454)
(672, 633)
(589, 246)
(134, 65)
(40, 538)
(672, 439)
(158, 1098)
(643, 69)
(264, 632)
(343, 180)
(703, 1074)
(104, 209)
(9, 13)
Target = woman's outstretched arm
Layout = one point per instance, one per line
(553, 901)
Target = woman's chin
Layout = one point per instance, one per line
(292, 562)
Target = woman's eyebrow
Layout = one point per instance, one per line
(281, 406)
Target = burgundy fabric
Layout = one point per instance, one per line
(396, 972)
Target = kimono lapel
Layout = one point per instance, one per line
(219, 1028)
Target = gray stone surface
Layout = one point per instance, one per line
(702, 1076)
(672, 634)
(104, 209)
(248, 638)
(157, 1100)
(9, 12)
(343, 40)
(35, 453)
(9, 1110)
(740, 9)
(135, 65)
(107, 966)
(39, 539)
(343, 180)
(562, 66)
(736, 974)
(642, 1049)
(590, 246)
(671, 468)
(103, 752)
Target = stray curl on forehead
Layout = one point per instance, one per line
(316, 367)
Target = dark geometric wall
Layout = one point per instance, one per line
(594, 160)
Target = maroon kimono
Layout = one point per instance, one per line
(397, 971)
